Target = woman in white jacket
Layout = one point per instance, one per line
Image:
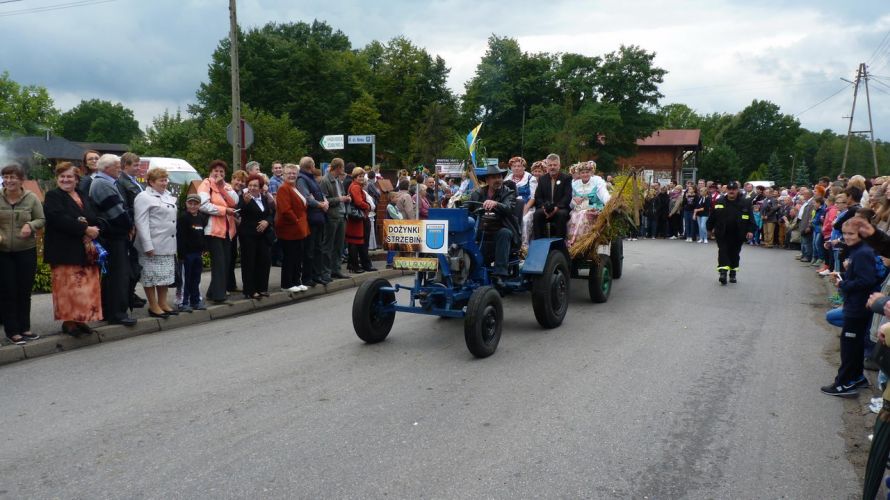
(154, 211)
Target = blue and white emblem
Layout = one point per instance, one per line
(435, 236)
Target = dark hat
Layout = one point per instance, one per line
(732, 185)
(490, 170)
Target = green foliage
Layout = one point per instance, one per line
(802, 174)
(43, 279)
(26, 110)
(774, 171)
(760, 173)
(432, 132)
(720, 163)
(201, 141)
(757, 131)
(99, 121)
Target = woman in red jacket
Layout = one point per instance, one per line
(356, 229)
(291, 227)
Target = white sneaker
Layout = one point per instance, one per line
(688, 240)
(295, 289)
(302, 288)
(672, 238)
(705, 242)
(825, 272)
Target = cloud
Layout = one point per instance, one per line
(720, 54)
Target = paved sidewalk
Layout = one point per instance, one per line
(52, 340)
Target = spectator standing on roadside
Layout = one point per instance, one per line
(218, 201)
(702, 213)
(770, 211)
(277, 178)
(252, 167)
(68, 248)
(116, 231)
(292, 228)
(405, 202)
(190, 246)
(805, 219)
(675, 215)
(858, 282)
(688, 202)
(155, 219)
(357, 230)
(313, 258)
(239, 186)
(88, 171)
(21, 216)
(255, 234)
(132, 188)
(335, 227)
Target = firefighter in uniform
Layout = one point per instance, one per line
(733, 224)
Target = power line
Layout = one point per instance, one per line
(48, 8)
(878, 48)
(10, 1)
(823, 100)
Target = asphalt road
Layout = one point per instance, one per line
(676, 388)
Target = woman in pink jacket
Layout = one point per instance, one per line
(218, 201)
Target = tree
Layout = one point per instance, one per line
(721, 163)
(432, 132)
(168, 135)
(757, 131)
(305, 71)
(678, 116)
(99, 121)
(802, 173)
(774, 171)
(26, 110)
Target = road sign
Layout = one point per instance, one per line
(246, 134)
(449, 166)
(361, 139)
(331, 142)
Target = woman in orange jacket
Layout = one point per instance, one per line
(291, 227)
(218, 201)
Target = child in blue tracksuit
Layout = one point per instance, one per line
(758, 221)
(818, 219)
(856, 284)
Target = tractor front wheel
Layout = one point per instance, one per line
(484, 321)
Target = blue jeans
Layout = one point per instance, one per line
(818, 251)
(835, 317)
(703, 227)
(191, 278)
(806, 246)
(687, 223)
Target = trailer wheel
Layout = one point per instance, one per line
(599, 283)
(484, 321)
(370, 322)
(616, 255)
(550, 292)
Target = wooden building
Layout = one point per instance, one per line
(665, 153)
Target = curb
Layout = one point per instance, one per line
(109, 333)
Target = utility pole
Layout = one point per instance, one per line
(238, 144)
(861, 76)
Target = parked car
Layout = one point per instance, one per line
(179, 170)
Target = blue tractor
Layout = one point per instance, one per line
(461, 286)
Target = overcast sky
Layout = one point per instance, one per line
(151, 55)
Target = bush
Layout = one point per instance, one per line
(43, 280)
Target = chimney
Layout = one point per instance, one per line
(48, 135)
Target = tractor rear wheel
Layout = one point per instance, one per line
(599, 283)
(484, 321)
(550, 292)
(616, 255)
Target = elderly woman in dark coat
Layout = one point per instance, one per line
(71, 228)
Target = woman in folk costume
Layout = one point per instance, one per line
(589, 196)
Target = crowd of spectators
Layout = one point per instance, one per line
(106, 231)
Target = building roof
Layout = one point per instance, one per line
(51, 147)
(690, 138)
(105, 147)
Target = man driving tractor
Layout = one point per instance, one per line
(498, 222)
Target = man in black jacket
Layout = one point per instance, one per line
(552, 199)
(131, 189)
(733, 224)
(498, 221)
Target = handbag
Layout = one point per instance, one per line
(354, 213)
